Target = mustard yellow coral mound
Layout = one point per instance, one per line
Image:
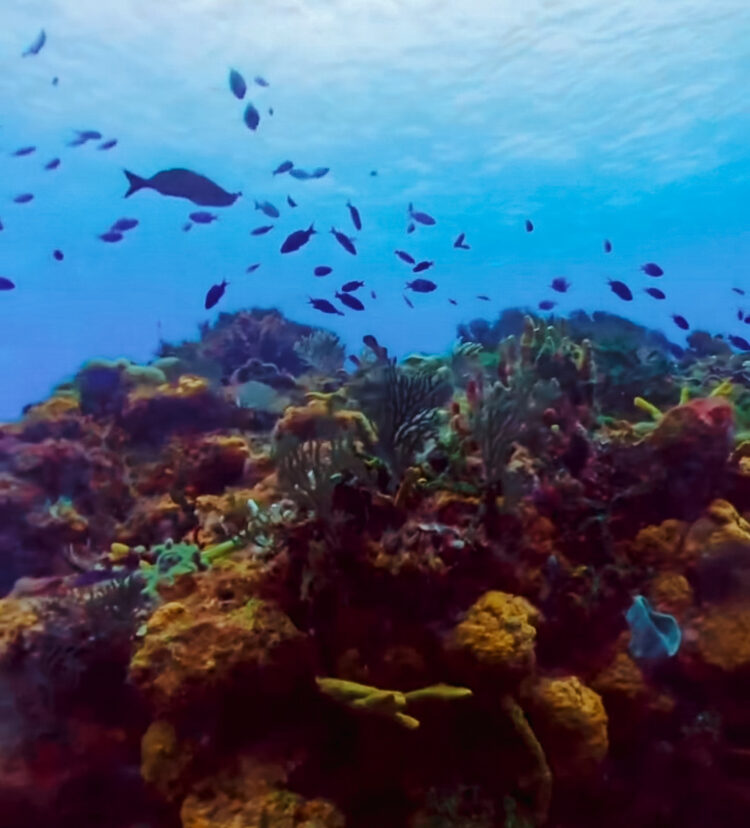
(499, 632)
(17, 617)
(670, 592)
(659, 545)
(571, 722)
(720, 525)
(164, 759)
(621, 679)
(722, 638)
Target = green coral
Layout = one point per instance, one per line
(171, 559)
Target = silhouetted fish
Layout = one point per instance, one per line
(319, 172)
(652, 269)
(111, 237)
(405, 257)
(85, 135)
(460, 242)
(325, 306)
(408, 301)
(237, 84)
(483, 297)
(53, 164)
(422, 218)
(322, 270)
(19, 153)
(453, 301)
(58, 255)
(656, 293)
(270, 110)
(291, 202)
(607, 246)
(739, 342)
(24, 198)
(422, 266)
(300, 175)
(354, 213)
(124, 224)
(350, 286)
(680, 321)
(261, 231)
(350, 301)
(181, 183)
(36, 45)
(203, 217)
(344, 241)
(55, 81)
(621, 289)
(251, 117)
(215, 292)
(297, 239)
(421, 286)
(267, 208)
(560, 284)
(6, 284)
(261, 81)
(188, 225)
(411, 228)
(739, 290)
(529, 226)
(283, 167)
(107, 145)
(546, 305)
(251, 268)
(740, 315)
(373, 173)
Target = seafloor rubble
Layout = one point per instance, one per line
(504, 586)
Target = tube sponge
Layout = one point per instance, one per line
(653, 634)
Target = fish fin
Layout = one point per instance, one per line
(136, 183)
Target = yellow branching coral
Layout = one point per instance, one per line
(648, 408)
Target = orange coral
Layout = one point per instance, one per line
(318, 420)
(571, 723)
(498, 633)
(659, 545)
(55, 408)
(671, 592)
(621, 679)
(164, 759)
(17, 617)
(721, 638)
(720, 525)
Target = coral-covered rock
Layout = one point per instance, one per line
(165, 759)
(197, 655)
(670, 592)
(17, 618)
(702, 428)
(497, 635)
(571, 722)
(622, 679)
(720, 639)
(660, 546)
(719, 527)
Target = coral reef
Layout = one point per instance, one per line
(509, 584)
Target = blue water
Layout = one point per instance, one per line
(624, 120)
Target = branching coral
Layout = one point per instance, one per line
(322, 351)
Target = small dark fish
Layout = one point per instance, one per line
(111, 236)
(350, 301)
(546, 305)
(182, 183)
(483, 297)
(740, 343)
(107, 145)
(297, 239)
(124, 224)
(252, 268)
(460, 242)
(453, 301)
(215, 292)
(261, 81)
(656, 293)
(740, 315)
(739, 290)
(373, 295)
(405, 257)
(300, 175)
(621, 289)
(319, 172)
(325, 306)
(251, 117)
(350, 286)
(237, 84)
(24, 198)
(188, 225)
(53, 164)
(411, 228)
(680, 321)
(560, 284)
(422, 218)
(607, 246)
(421, 286)
(651, 269)
(322, 270)
(746, 320)
(344, 241)
(55, 81)
(36, 45)
(373, 173)
(203, 217)
(356, 218)
(283, 167)
(6, 284)
(24, 151)
(270, 111)
(408, 301)
(58, 255)
(267, 208)
(261, 231)
(529, 226)
(1, 226)
(420, 267)
(291, 202)
(85, 135)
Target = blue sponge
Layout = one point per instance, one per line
(652, 634)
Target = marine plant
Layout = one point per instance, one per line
(322, 351)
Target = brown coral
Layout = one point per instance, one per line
(720, 526)
(721, 638)
(659, 545)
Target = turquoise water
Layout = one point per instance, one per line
(624, 120)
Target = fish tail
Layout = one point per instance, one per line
(136, 183)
